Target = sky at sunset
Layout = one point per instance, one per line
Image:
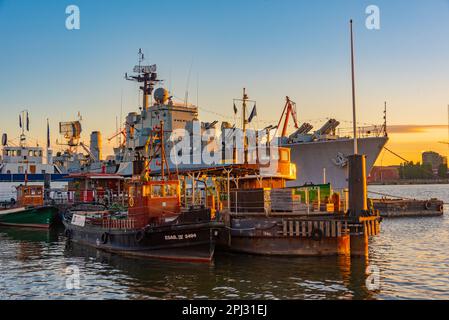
(273, 48)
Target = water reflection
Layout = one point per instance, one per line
(29, 235)
(235, 276)
(410, 253)
(30, 243)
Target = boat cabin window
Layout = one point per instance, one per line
(30, 191)
(34, 153)
(158, 190)
(155, 191)
(131, 191)
(171, 190)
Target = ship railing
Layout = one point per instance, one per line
(119, 224)
(116, 221)
(197, 200)
(272, 201)
(333, 228)
(69, 197)
(362, 131)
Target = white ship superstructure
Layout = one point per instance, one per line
(320, 156)
(22, 163)
(24, 159)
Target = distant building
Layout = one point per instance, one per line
(384, 174)
(434, 159)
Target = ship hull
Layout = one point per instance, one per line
(187, 243)
(36, 217)
(292, 235)
(312, 158)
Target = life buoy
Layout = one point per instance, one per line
(131, 202)
(428, 205)
(104, 238)
(317, 234)
(139, 236)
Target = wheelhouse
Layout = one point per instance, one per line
(154, 201)
(30, 195)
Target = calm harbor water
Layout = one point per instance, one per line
(412, 255)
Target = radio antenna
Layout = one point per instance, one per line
(188, 84)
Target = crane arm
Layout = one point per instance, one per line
(288, 110)
(88, 151)
(123, 132)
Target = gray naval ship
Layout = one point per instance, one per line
(320, 156)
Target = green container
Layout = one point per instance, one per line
(325, 191)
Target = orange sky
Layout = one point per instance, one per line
(409, 141)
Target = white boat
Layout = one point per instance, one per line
(24, 163)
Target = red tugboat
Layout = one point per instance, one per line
(155, 225)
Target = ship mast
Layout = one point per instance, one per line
(354, 115)
(147, 75)
(154, 147)
(245, 121)
(24, 124)
(244, 100)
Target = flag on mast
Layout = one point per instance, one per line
(20, 121)
(235, 109)
(253, 114)
(28, 122)
(48, 135)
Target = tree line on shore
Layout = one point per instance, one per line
(410, 170)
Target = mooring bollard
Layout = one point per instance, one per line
(357, 185)
(358, 201)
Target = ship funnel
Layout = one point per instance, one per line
(96, 145)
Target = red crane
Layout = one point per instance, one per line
(290, 108)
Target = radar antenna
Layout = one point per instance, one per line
(145, 74)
